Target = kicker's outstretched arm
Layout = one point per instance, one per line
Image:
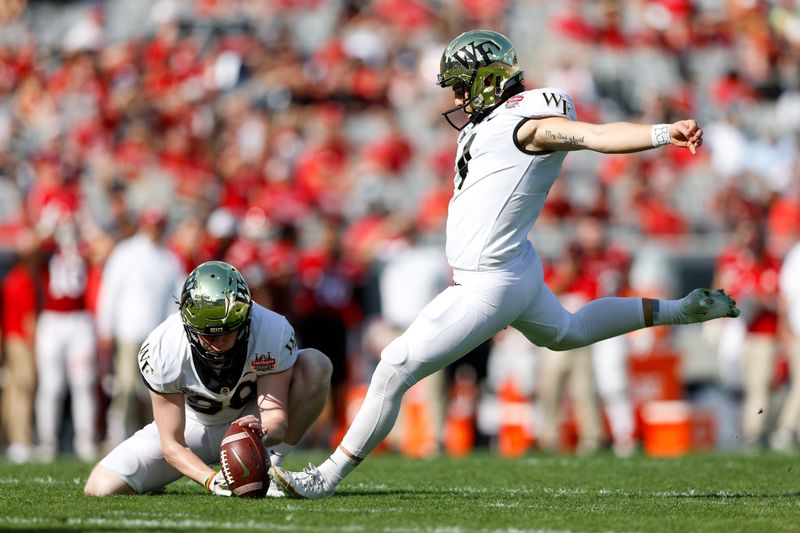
(561, 134)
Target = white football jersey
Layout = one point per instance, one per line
(500, 187)
(165, 361)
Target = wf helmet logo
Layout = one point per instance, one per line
(469, 54)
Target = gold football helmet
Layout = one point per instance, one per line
(215, 300)
(481, 63)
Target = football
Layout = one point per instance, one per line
(244, 462)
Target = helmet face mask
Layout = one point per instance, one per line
(483, 62)
(215, 300)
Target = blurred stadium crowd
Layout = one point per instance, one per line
(301, 141)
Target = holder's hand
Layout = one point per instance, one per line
(215, 483)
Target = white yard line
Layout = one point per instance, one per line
(190, 524)
(47, 480)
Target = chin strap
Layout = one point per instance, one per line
(455, 109)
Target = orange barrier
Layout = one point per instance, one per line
(417, 438)
(666, 428)
(667, 425)
(459, 428)
(515, 436)
(653, 377)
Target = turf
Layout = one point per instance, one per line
(388, 493)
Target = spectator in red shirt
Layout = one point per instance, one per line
(591, 268)
(19, 308)
(66, 346)
(186, 242)
(656, 214)
(574, 285)
(784, 218)
(326, 307)
(750, 272)
(54, 184)
(731, 89)
(245, 253)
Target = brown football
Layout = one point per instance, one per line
(244, 462)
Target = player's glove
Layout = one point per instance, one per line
(215, 483)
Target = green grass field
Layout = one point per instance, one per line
(388, 493)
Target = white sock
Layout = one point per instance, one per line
(278, 453)
(337, 466)
(602, 319)
(372, 423)
(667, 312)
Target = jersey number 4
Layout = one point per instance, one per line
(463, 161)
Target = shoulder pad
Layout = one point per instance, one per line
(160, 358)
(273, 341)
(538, 103)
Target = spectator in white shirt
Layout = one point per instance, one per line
(788, 425)
(139, 289)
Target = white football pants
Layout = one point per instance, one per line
(140, 462)
(467, 314)
(66, 355)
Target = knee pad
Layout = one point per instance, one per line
(564, 339)
(389, 380)
(396, 357)
(396, 352)
(394, 362)
(571, 341)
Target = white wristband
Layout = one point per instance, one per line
(659, 134)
